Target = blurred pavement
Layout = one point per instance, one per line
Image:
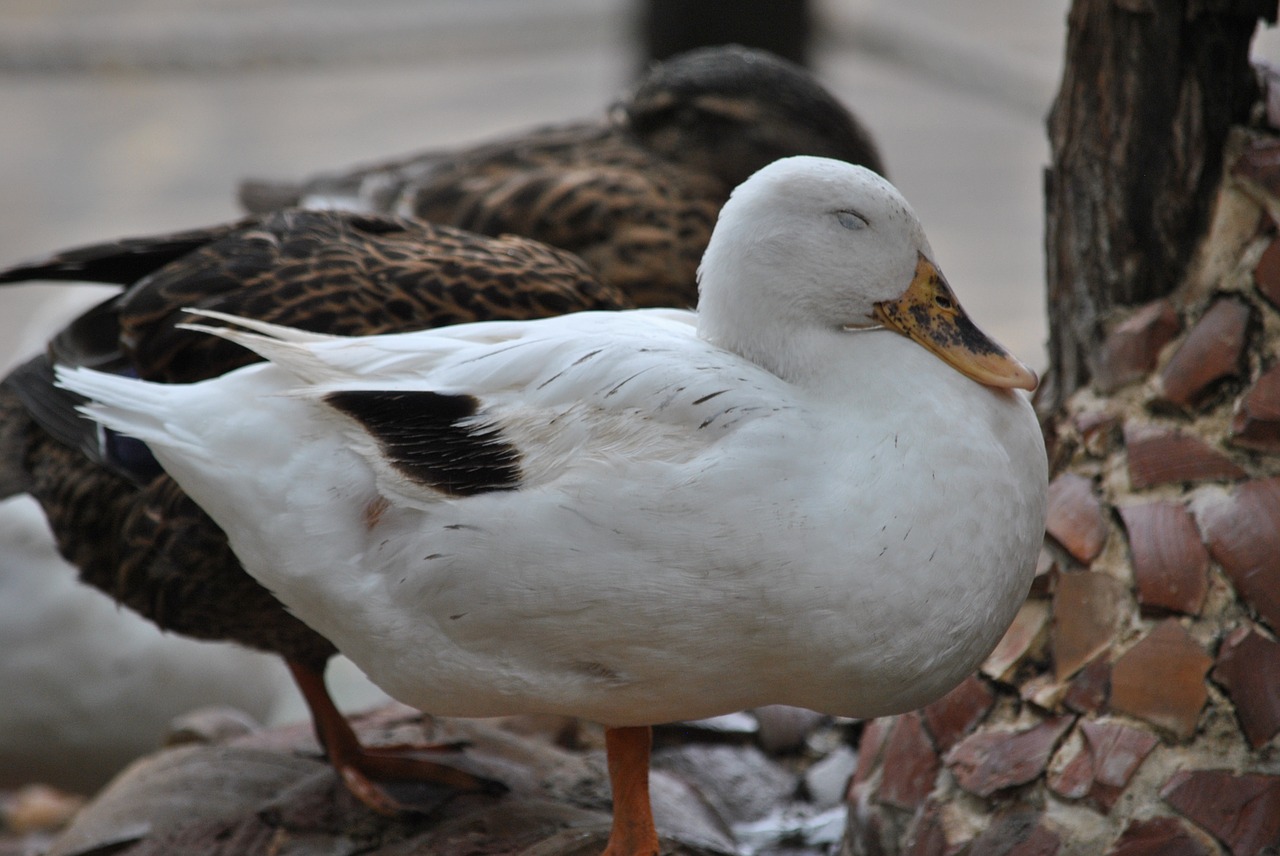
(141, 115)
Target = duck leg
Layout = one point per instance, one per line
(633, 832)
(359, 766)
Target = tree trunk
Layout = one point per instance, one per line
(1137, 130)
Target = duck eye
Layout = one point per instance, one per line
(850, 220)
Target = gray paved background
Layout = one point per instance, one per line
(135, 116)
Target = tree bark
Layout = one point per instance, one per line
(1149, 92)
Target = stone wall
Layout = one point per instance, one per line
(1134, 705)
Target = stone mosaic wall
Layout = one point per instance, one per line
(1134, 706)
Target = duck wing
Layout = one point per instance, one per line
(497, 405)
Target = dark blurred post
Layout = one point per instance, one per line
(672, 26)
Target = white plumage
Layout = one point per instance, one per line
(642, 516)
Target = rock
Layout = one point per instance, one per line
(1170, 563)
(1161, 679)
(1075, 518)
(258, 794)
(1243, 533)
(954, 715)
(1266, 275)
(1023, 638)
(209, 725)
(827, 781)
(990, 761)
(1159, 456)
(1130, 350)
(784, 728)
(1090, 689)
(1159, 836)
(1086, 611)
(1248, 667)
(1241, 811)
(1101, 762)
(1256, 424)
(1212, 350)
(871, 749)
(160, 793)
(739, 783)
(1017, 832)
(910, 764)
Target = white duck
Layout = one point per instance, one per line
(643, 516)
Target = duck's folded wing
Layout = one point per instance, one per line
(491, 406)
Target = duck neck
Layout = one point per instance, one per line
(800, 354)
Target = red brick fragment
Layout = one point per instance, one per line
(1243, 533)
(1104, 761)
(1211, 351)
(1248, 668)
(929, 838)
(1046, 572)
(1256, 423)
(910, 764)
(1071, 773)
(1159, 456)
(958, 712)
(1267, 273)
(1043, 691)
(1170, 562)
(869, 748)
(990, 761)
(1243, 812)
(1159, 836)
(1131, 349)
(1097, 430)
(1161, 679)
(1075, 518)
(1019, 831)
(1024, 638)
(1090, 690)
(1041, 841)
(1086, 610)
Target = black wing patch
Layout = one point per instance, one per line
(421, 434)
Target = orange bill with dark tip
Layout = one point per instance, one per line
(929, 314)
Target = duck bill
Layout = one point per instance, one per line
(929, 314)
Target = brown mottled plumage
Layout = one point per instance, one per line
(125, 524)
(635, 194)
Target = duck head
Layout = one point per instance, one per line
(809, 249)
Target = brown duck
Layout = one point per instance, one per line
(126, 525)
(635, 193)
